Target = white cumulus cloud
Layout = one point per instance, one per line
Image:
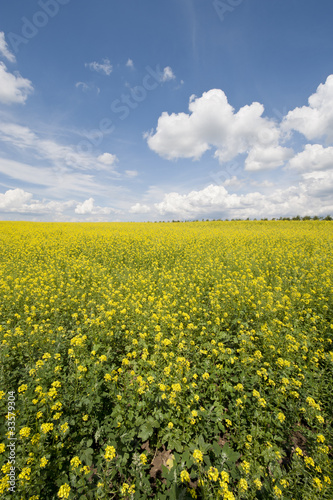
(312, 196)
(139, 208)
(88, 207)
(313, 157)
(14, 199)
(315, 120)
(107, 159)
(269, 157)
(20, 201)
(213, 122)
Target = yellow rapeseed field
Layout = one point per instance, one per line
(166, 360)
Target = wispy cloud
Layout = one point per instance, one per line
(4, 50)
(14, 89)
(60, 155)
(130, 63)
(85, 87)
(104, 67)
(167, 74)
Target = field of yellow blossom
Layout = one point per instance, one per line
(166, 360)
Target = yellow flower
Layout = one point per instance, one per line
(320, 438)
(205, 376)
(43, 462)
(75, 462)
(242, 485)
(35, 439)
(46, 428)
(110, 453)
(25, 474)
(170, 425)
(143, 458)
(281, 417)
(184, 476)
(85, 470)
(6, 468)
(258, 484)
(239, 387)
(309, 461)
(213, 474)
(22, 388)
(225, 476)
(228, 422)
(64, 427)
(2, 447)
(126, 489)
(245, 466)
(299, 452)
(85, 418)
(317, 483)
(25, 432)
(107, 377)
(64, 491)
(198, 456)
(277, 491)
(176, 387)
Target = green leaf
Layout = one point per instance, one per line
(146, 431)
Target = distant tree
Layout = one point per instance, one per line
(315, 217)
(307, 217)
(297, 217)
(328, 217)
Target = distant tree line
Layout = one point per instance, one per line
(297, 217)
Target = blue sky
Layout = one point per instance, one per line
(155, 110)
